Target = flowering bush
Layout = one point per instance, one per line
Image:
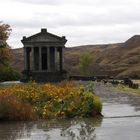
(62, 100)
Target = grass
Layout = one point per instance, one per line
(126, 88)
(136, 81)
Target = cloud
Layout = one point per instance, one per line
(81, 21)
(78, 2)
(38, 2)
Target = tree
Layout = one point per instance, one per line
(5, 31)
(6, 71)
(86, 62)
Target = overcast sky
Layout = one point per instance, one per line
(81, 21)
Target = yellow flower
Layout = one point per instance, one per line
(44, 113)
(69, 109)
(62, 113)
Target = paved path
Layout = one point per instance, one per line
(121, 112)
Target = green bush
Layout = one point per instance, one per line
(8, 74)
(86, 62)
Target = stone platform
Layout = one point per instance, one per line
(44, 76)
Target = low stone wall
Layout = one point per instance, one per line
(83, 78)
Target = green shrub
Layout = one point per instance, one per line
(8, 74)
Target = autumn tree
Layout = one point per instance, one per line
(86, 63)
(7, 73)
(5, 31)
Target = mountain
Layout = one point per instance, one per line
(120, 59)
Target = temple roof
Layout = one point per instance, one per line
(45, 37)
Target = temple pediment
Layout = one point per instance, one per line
(44, 36)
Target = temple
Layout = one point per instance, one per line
(43, 57)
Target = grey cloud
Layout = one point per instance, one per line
(91, 16)
(98, 16)
(40, 2)
(83, 22)
(81, 2)
(84, 19)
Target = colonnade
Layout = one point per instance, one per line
(40, 58)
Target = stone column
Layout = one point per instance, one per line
(40, 58)
(32, 59)
(61, 59)
(25, 58)
(48, 59)
(55, 58)
(28, 58)
(62, 56)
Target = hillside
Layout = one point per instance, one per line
(120, 59)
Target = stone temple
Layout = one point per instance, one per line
(43, 57)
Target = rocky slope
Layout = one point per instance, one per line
(120, 59)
